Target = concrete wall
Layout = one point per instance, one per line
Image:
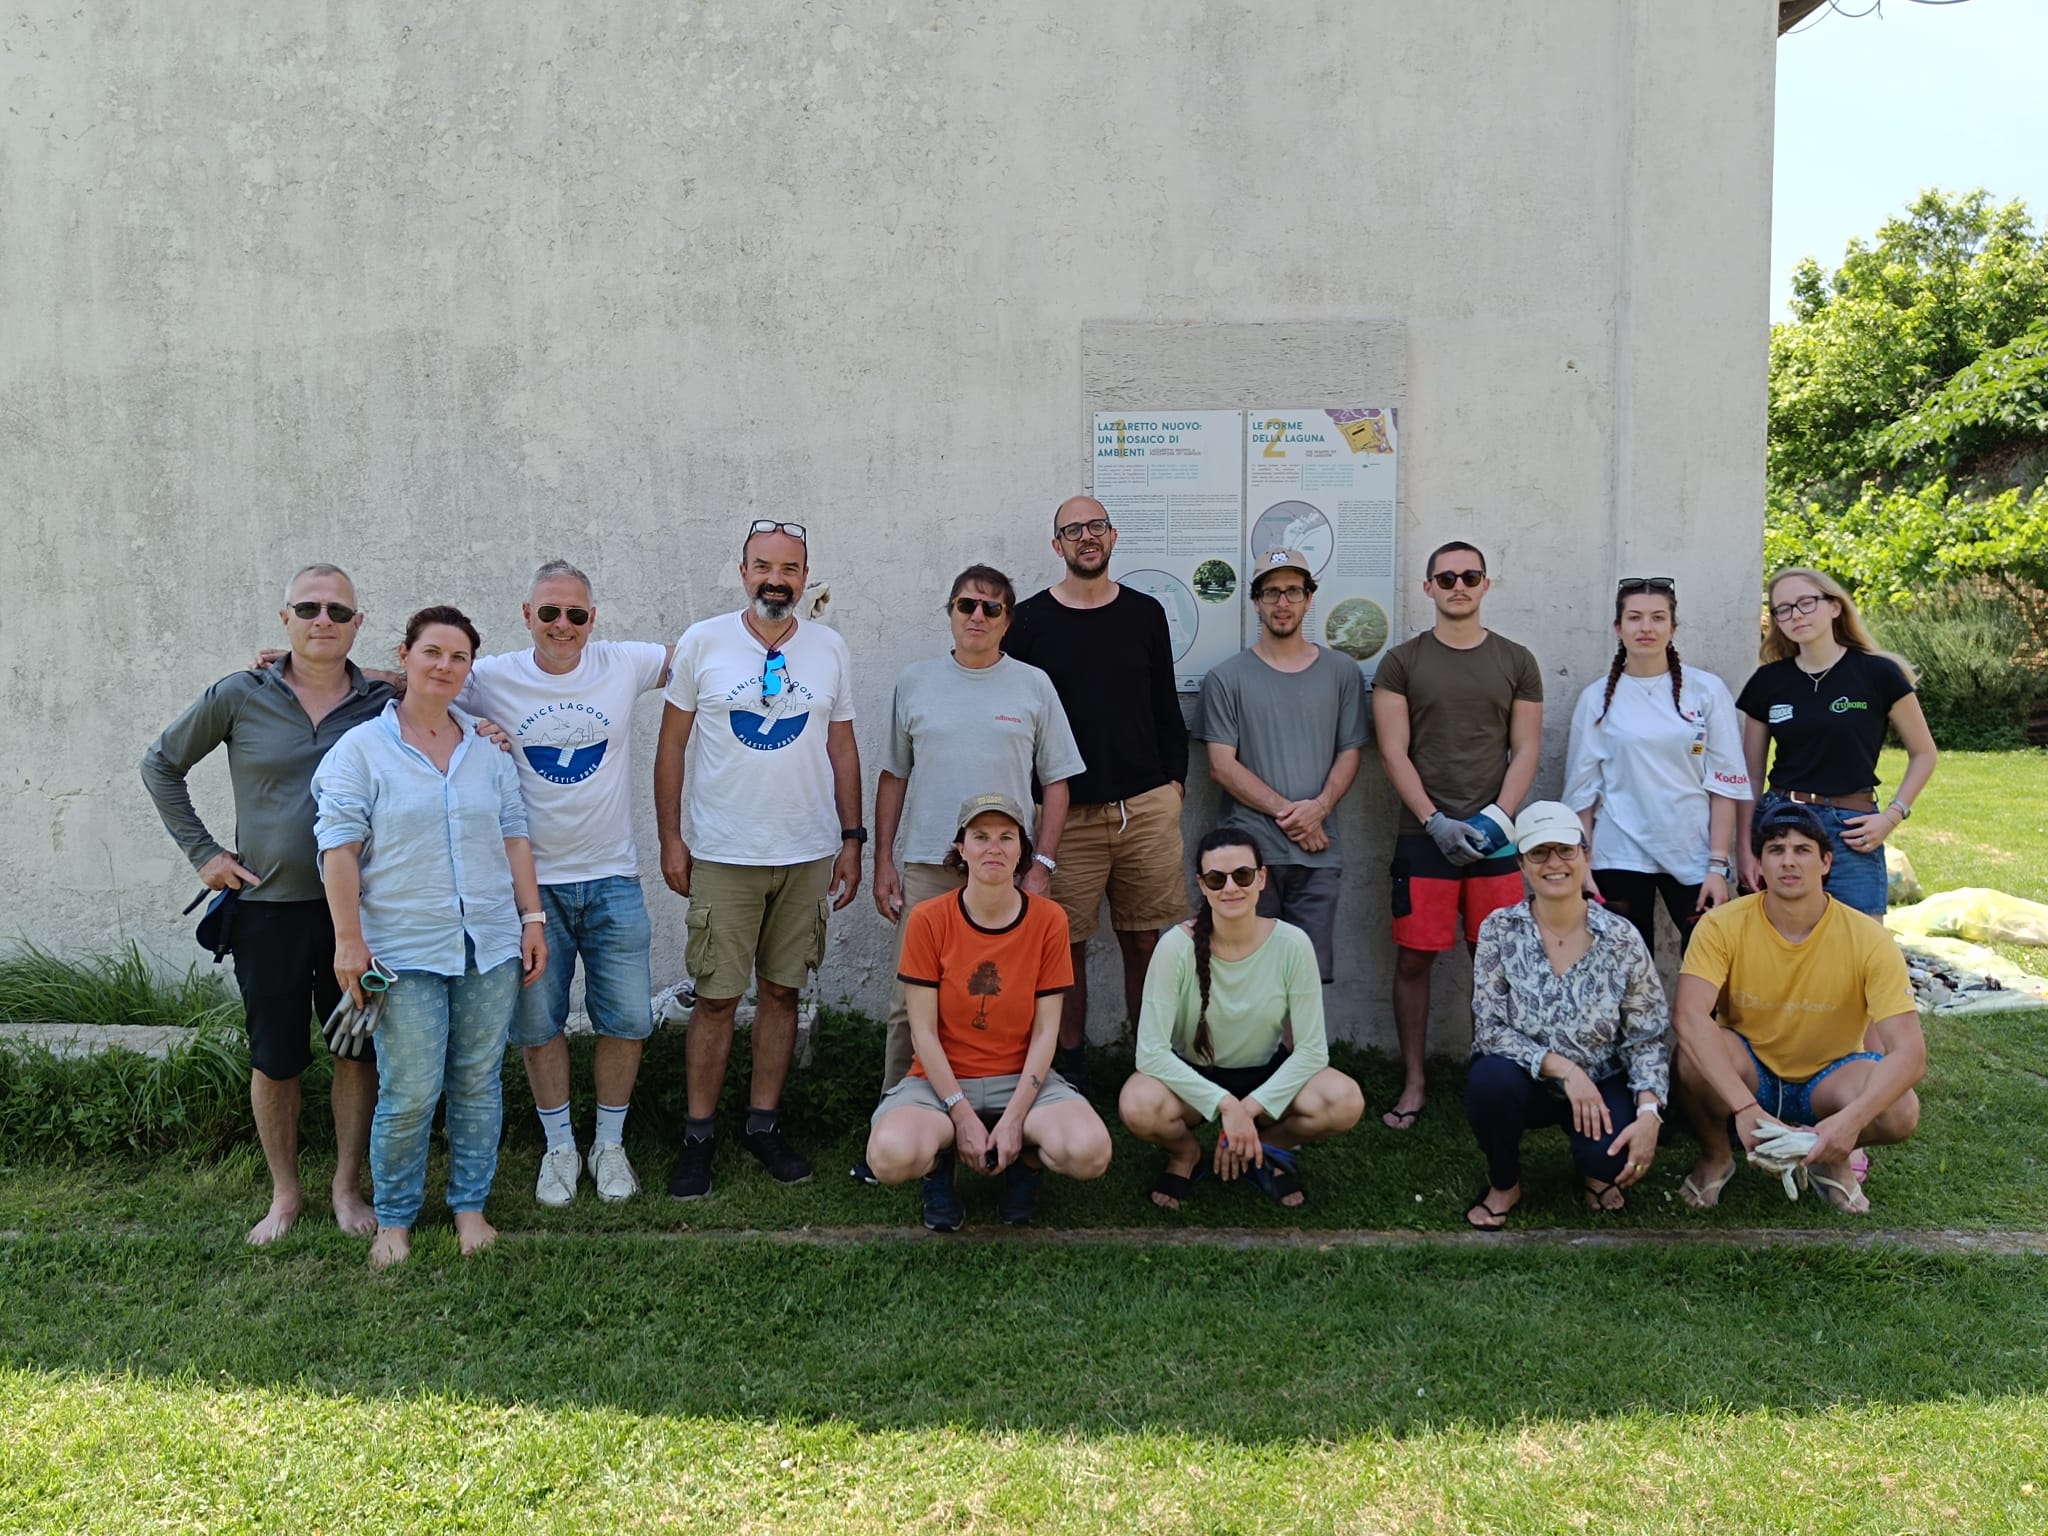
(442, 290)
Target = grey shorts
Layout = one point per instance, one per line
(986, 1096)
(1306, 898)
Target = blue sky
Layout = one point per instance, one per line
(1872, 109)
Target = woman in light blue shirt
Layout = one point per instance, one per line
(424, 855)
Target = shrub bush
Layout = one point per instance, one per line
(1978, 673)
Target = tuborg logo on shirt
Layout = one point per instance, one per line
(565, 743)
(768, 725)
(1843, 705)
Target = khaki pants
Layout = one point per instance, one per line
(921, 882)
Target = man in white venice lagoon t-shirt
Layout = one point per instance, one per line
(774, 790)
(567, 706)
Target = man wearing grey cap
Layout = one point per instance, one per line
(1286, 722)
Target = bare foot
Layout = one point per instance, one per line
(393, 1246)
(475, 1233)
(1490, 1212)
(1702, 1187)
(352, 1213)
(1183, 1167)
(1406, 1111)
(284, 1210)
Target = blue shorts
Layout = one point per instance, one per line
(1856, 878)
(1792, 1103)
(604, 921)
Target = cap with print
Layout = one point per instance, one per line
(1547, 822)
(1280, 560)
(1002, 805)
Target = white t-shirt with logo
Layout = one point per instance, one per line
(759, 783)
(1651, 769)
(572, 739)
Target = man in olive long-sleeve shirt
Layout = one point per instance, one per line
(1110, 658)
(277, 725)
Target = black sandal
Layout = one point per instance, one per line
(1277, 1177)
(1478, 1203)
(1174, 1186)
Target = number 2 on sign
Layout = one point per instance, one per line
(1273, 449)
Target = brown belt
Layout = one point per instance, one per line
(1863, 802)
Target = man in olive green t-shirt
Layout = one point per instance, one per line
(1458, 712)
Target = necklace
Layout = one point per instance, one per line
(1821, 676)
(747, 619)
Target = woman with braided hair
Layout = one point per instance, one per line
(1655, 771)
(1232, 1031)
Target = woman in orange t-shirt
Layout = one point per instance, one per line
(984, 969)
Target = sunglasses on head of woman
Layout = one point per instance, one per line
(1629, 584)
(1243, 874)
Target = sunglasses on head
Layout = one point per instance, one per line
(796, 531)
(341, 613)
(773, 675)
(547, 613)
(991, 608)
(1449, 579)
(1243, 874)
(1628, 584)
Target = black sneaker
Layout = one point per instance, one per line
(1021, 1184)
(861, 1173)
(943, 1211)
(690, 1178)
(1071, 1062)
(784, 1163)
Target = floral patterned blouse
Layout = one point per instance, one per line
(1605, 1014)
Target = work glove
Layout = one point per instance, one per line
(349, 1026)
(1781, 1150)
(1495, 827)
(1458, 841)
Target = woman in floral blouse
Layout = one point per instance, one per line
(1569, 1028)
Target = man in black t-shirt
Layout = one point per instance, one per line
(1107, 651)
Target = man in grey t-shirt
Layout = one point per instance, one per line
(1286, 722)
(975, 722)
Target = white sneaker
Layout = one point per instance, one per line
(557, 1183)
(611, 1173)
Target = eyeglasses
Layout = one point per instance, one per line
(1806, 604)
(1097, 526)
(376, 978)
(547, 613)
(1562, 852)
(1449, 579)
(1629, 584)
(773, 675)
(796, 531)
(341, 613)
(1291, 594)
(991, 608)
(1243, 875)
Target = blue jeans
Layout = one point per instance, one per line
(1856, 879)
(1788, 1102)
(1503, 1102)
(440, 1034)
(605, 921)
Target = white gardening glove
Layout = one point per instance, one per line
(1496, 829)
(1458, 841)
(1781, 1150)
(349, 1026)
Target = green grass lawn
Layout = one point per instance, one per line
(651, 1366)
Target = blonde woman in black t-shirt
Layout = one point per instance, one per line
(1819, 706)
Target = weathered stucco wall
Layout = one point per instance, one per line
(440, 290)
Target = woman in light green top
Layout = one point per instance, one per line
(1232, 1031)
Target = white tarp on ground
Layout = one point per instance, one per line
(1953, 975)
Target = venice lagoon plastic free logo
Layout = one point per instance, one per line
(570, 764)
(767, 733)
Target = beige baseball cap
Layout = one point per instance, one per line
(1280, 560)
(1002, 805)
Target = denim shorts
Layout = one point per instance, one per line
(1792, 1103)
(604, 921)
(1856, 878)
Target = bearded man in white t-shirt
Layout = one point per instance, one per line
(567, 705)
(774, 793)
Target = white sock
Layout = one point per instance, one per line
(556, 1123)
(611, 1125)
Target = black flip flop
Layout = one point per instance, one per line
(1407, 1117)
(1478, 1202)
(1596, 1199)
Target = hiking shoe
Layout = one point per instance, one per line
(1021, 1184)
(556, 1186)
(1071, 1062)
(690, 1178)
(943, 1211)
(861, 1173)
(784, 1163)
(611, 1173)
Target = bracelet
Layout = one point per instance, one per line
(1046, 859)
(1752, 1104)
(533, 917)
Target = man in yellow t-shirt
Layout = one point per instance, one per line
(1801, 985)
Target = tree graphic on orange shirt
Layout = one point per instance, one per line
(985, 983)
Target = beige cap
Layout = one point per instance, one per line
(1281, 560)
(1002, 805)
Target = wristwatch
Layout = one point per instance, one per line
(1654, 1110)
(533, 917)
(1047, 860)
(1905, 811)
(955, 1097)
(853, 834)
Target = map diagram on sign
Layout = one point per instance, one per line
(1172, 594)
(1298, 526)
